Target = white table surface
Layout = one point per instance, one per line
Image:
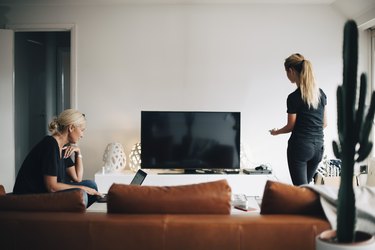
(253, 205)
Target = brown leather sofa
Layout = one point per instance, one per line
(295, 226)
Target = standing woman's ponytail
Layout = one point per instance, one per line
(309, 89)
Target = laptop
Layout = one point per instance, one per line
(138, 179)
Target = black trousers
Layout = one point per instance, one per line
(304, 156)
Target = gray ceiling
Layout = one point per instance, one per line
(349, 8)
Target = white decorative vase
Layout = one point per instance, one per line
(324, 241)
(114, 157)
(135, 157)
(244, 156)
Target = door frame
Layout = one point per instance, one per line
(7, 131)
(73, 49)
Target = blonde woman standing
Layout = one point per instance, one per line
(306, 120)
(55, 163)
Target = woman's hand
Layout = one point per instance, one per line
(273, 131)
(287, 128)
(70, 149)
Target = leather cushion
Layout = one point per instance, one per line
(69, 201)
(280, 198)
(2, 190)
(204, 198)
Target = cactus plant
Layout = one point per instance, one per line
(353, 131)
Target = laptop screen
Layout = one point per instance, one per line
(139, 178)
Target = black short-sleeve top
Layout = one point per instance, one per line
(309, 121)
(43, 159)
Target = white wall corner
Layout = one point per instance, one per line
(366, 20)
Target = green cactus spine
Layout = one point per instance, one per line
(353, 131)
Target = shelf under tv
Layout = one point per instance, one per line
(200, 171)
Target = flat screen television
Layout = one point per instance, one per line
(190, 140)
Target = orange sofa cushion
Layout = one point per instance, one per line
(2, 190)
(280, 198)
(204, 198)
(70, 201)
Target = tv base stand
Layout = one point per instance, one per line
(210, 171)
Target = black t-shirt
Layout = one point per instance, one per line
(309, 122)
(43, 159)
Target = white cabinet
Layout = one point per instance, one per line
(251, 185)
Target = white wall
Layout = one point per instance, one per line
(194, 57)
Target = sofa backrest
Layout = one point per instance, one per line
(203, 198)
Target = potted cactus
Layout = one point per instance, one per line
(354, 127)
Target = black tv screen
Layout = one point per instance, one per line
(190, 140)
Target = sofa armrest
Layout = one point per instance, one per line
(281, 198)
(69, 201)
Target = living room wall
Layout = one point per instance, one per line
(194, 57)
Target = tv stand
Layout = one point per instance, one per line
(188, 171)
(251, 185)
(232, 171)
(196, 171)
(203, 171)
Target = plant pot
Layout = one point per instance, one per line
(326, 241)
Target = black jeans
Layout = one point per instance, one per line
(304, 157)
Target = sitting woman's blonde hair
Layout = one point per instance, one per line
(66, 118)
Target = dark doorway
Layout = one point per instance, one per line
(42, 85)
